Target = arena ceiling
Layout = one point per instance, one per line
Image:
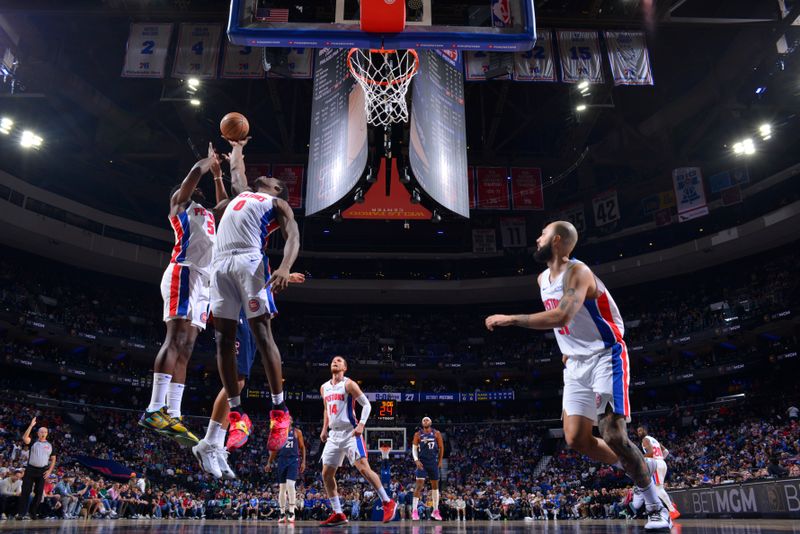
(120, 144)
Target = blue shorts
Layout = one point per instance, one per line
(245, 347)
(430, 470)
(287, 470)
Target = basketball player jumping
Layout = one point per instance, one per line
(428, 451)
(655, 456)
(242, 280)
(342, 436)
(185, 290)
(589, 329)
(291, 464)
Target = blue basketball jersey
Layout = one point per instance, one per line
(289, 450)
(428, 447)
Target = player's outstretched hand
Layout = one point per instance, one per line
(297, 278)
(497, 320)
(278, 280)
(242, 143)
(33, 421)
(358, 430)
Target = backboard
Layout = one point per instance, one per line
(498, 25)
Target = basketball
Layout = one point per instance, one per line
(234, 126)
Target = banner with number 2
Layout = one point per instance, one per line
(147, 48)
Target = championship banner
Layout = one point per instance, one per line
(606, 208)
(526, 188)
(653, 203)
(242, 62)
(197, 53)
(629, 58)
(476, 65)
(575, 215)
(580, 56)
(471, 185)
(689, 193)
(512, 231)
(537, 64)
(484, 241)
(724, 180)
(146, 51)
(492, 188)
(292, 175)
(300, 64)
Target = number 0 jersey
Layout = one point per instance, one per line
(195, 235)
(249, 220)
(339, 405)
(595, 328)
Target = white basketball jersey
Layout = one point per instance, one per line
(248, 221)
(340, 406)
(595, 328)
(194, 237)
(658, 452)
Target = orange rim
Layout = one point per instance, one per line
(384, 52)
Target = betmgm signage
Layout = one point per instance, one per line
(773, 498)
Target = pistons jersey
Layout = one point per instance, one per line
(339, 405)
(249, 220)
(596, 327)
(194, 237)
(658, 451)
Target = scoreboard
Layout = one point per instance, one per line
(387, 411)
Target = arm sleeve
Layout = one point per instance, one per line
(415, 452)
(366, 408)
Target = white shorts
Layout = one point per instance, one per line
(185, 291)
(593, 384)
(658, 468)
(238, 281)
(341, 444)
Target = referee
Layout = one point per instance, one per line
(36, 471)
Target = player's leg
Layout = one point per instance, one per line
(240, 425)
(282, 501)
(419, 484)
(362, 464)
(337, 517)
(291, 497)
(210, 452)
(435, 515)
(659, 477)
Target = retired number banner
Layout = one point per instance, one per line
(606, 208)
(492, 188)
(242, 62)
(537, 64)
(690, 195)
(293, 176)
(629, 58)
(575, 215)
(146, 52)
(526, 188)
(471, 185)
(300, 64)
(580, 56)
(197, 53)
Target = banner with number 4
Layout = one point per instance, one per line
(197, 54)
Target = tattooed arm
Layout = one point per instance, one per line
(578, 281)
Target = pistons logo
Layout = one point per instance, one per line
(204, 317)
(254, 305)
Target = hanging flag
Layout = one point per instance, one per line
(574, 214)
(629, 58)
(537, 64)
(526, 188)
(292, 175)
(580, 56)
(197, 53)
(492, 188)
(299, 65)
(689, 193)
(471, 185)
(272, 15)
(146, 51)
(242, 62)
(606, 208)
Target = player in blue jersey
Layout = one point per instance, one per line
(291, 464)
(428, 451)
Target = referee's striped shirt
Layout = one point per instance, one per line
(41, 451)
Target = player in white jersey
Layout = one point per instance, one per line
(241, 279)
(655, 456)
(588, 328)
(185, 291)
(342, 434)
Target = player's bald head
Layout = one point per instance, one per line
(568, 234)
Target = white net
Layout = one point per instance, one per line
(385, 76)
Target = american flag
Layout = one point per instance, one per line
(272, 15)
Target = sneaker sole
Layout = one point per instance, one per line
(340, 523)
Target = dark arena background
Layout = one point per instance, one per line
(445, 193)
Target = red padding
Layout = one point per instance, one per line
(383, 16)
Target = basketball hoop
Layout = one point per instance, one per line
(385, 450)
(385, 76)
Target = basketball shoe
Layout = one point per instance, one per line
(207, 455)
(334, 520)
(166, 425)
(389, 510)
(222, 462)
(279, 422)
(415, 515)
(436, 516)
(658, 517)
(239, 431)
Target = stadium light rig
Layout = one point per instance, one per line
(744, 147)
(30, 140)
(195, 102)
(580, 107)
(5, 125)
(765, 130)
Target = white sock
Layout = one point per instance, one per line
(337, 506)
(174, 398)
(277, 399)
(383, 494)
(158, 397)
(291, 495)
(650, 495)
(235, 402)
(435, 494)
(215, 434)
(282, 497)
(415, 505)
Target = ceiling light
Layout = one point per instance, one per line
(6, 123)
(194, 102)
(583, 85)
(581, 107)
(765, 130)
(30, 140)
(193, 82)
(749, 147)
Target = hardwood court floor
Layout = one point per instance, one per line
(689, 526)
